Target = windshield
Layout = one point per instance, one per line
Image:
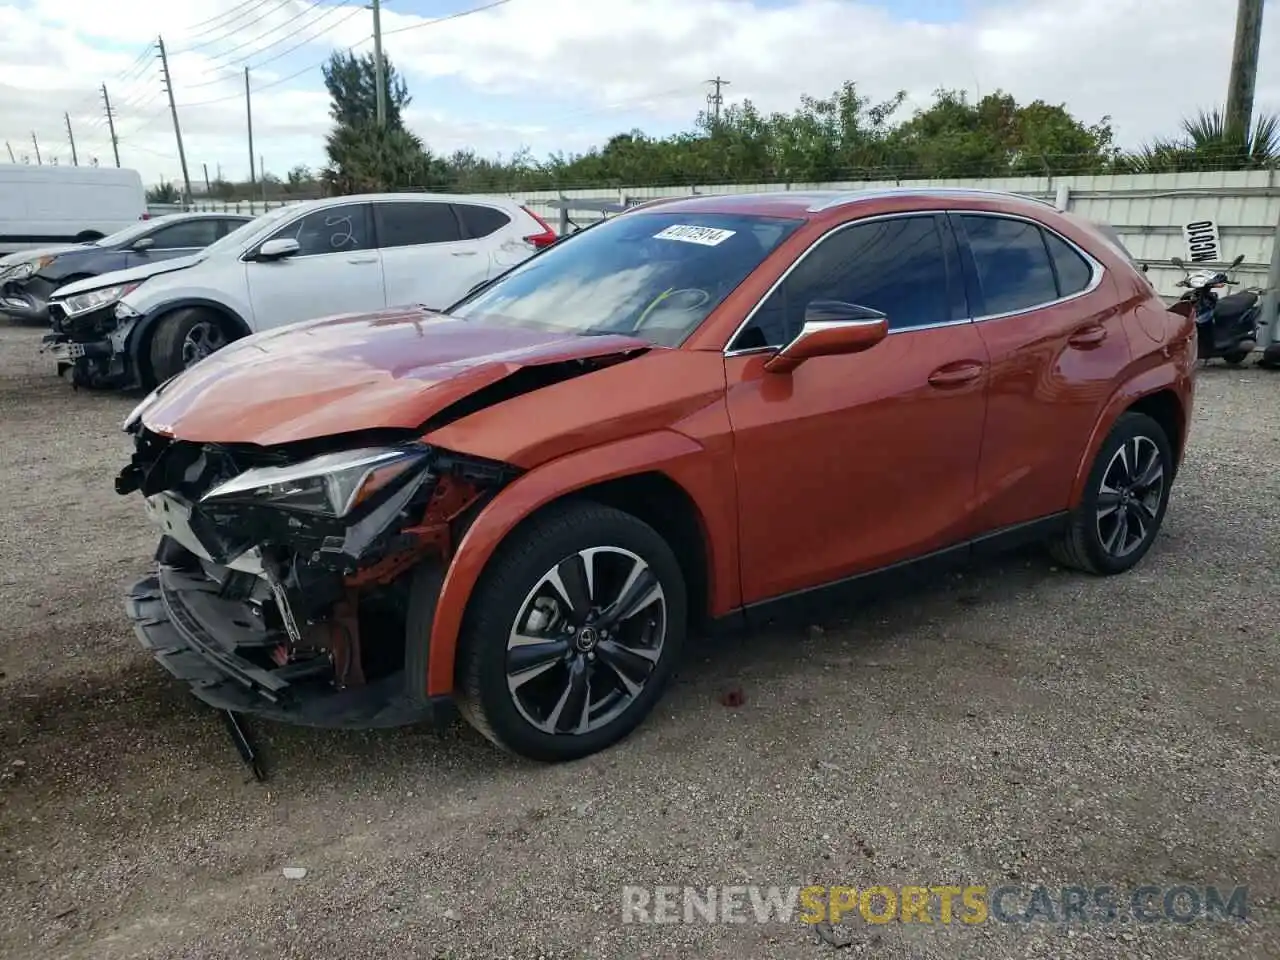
(234, 240)
(650, 275)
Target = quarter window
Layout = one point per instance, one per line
(1013, 264)
(410, 224)
(896, 266)
(480, 221)
(1074, 272)
(343, 229)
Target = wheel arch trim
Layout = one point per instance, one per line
(666, 452)
(140, 335)
(1147, 384)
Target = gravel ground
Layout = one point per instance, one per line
(1015, 724)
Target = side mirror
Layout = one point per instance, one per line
(1176, 261)
(277, 249)
(831, 327)
(1236, 262)
(145, 244)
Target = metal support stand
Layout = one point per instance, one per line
(243, 746)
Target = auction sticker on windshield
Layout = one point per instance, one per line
(707, 236)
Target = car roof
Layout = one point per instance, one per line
(416, 196)
(811, 204)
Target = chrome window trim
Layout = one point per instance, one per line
(838, 228)
(1095, 281)
(1099, 271)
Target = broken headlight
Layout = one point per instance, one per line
(331, 485)
(78, 303)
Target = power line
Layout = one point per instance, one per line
(280, 4)
(225, 13)
(331, 9)
(445, 19)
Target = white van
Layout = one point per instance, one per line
(42, 206)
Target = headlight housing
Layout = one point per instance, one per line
(331, 485)
(27, 269)
(79, 303)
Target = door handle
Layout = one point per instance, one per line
(464, 253)
(956, 374)
(1088, 336)
(362, 259)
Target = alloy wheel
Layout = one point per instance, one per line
(586, 640)
(1130, 496)
(204, 338)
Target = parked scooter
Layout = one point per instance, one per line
(1226, 327)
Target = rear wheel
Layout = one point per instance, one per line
(572, 634)
(1236, 357)
(1124, 501)
(184, 338)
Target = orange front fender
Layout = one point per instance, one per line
(697, 470)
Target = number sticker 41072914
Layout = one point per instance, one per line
(706, 236)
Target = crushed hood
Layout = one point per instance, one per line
(128, 276)
(396, 369)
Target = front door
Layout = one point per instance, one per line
(850, 463)
(337, 270)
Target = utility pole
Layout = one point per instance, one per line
(75, 161)
(173, 109)
(111, 124)
(248, 118)
(207, 188)
(1244, 68)
(8, 146)
(379, 69)
(715, 100)
(262, 174)
(36, 143)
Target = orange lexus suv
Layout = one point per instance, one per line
(695, 414)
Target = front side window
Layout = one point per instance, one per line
(1013, 264)
(650, 275)
(193, 234)
(410, 224)
(342, 229)
(896, 266)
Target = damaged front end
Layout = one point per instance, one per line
(285, 577)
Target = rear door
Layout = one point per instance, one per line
(1057, 344)
(425, 258)
(497, 232)
(337, 270)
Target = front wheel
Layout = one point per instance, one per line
(184, 338)
(1236, 357)
(1124, 501)
(572, 633)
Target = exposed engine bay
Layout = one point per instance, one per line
(285, 576)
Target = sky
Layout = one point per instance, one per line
(563, 75)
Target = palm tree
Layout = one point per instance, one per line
(1208, 143)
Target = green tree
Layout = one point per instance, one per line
(366, 158)
(352, 85)
(1206, 143)
(163, 192)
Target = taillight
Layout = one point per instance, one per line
(544, 239)
(145, 216)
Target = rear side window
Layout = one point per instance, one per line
(478, 221)
(1074, 272)
(412, 224)
(1013, 264)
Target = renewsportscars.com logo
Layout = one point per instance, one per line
(943, 904)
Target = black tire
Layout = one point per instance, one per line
(168, 351)
(1236, 357)
(1083, 546)
(506, 591)
(88, 236)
